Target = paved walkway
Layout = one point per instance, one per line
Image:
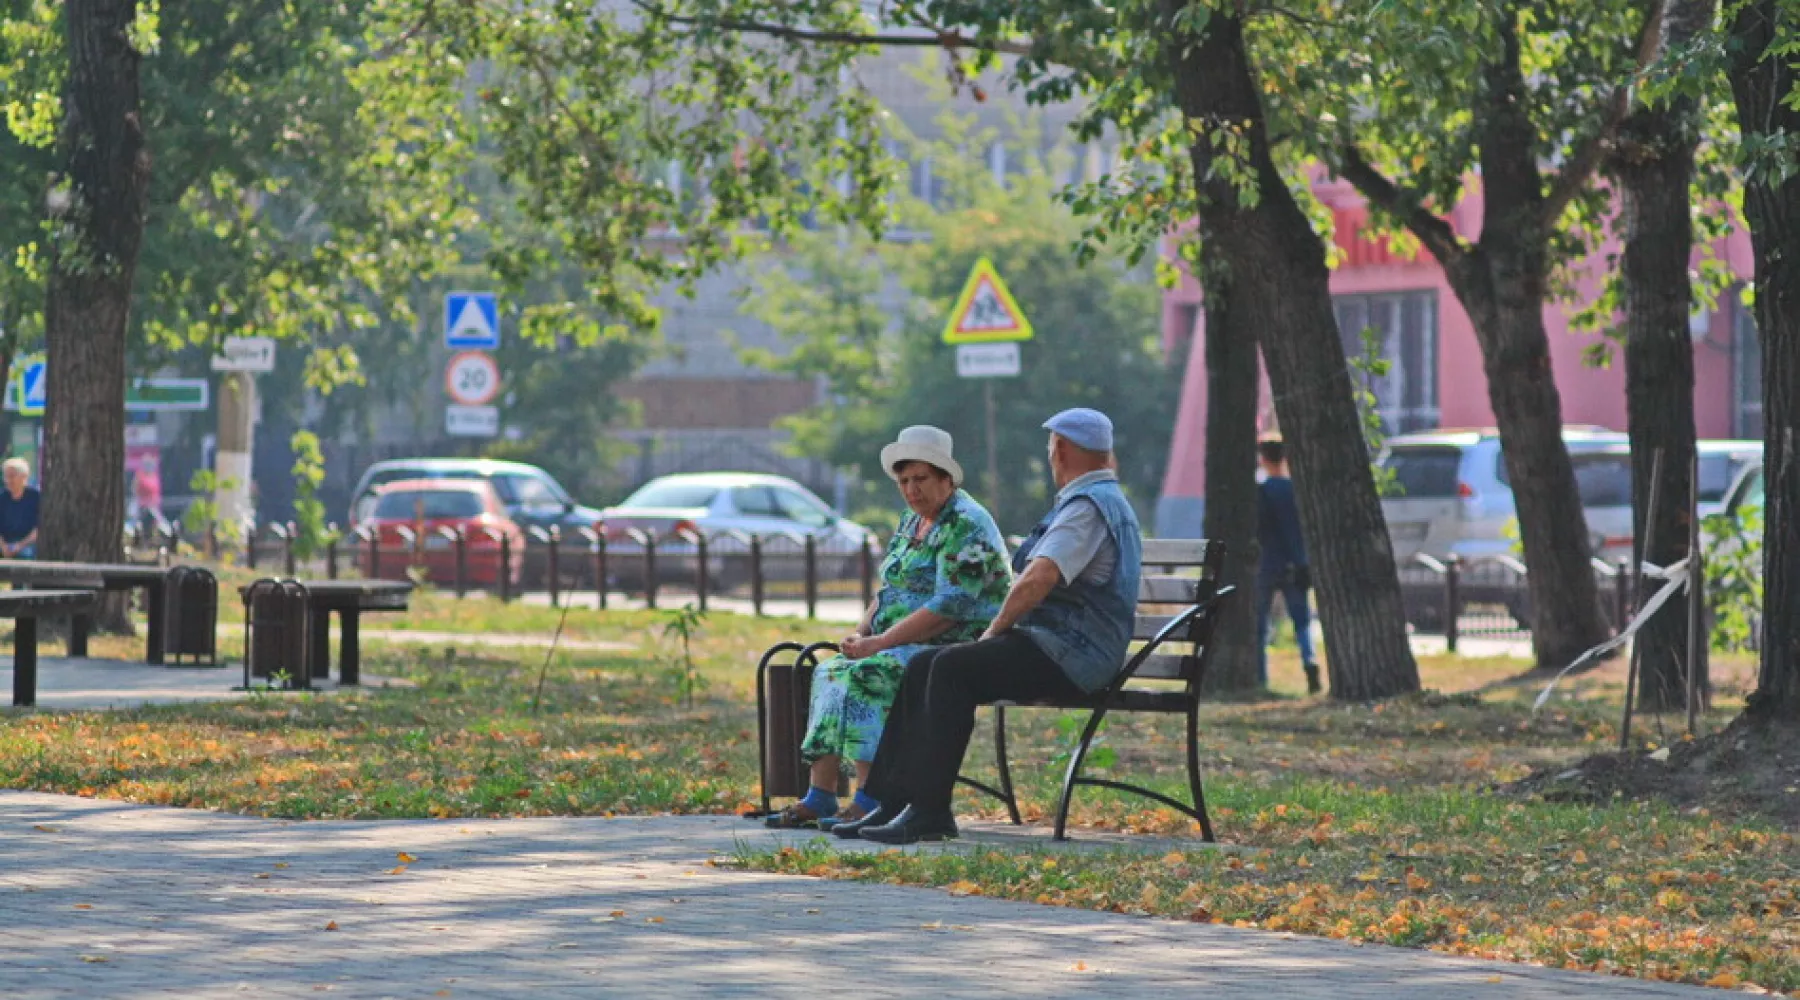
(67, 684)
(100, 899)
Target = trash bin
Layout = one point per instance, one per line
(191, 616)
(276, 632)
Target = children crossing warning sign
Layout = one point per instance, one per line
(986, 311)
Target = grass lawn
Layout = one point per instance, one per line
(1375, 823)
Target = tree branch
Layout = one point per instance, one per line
(1436, 234)
(938, 38)
(1586, 158)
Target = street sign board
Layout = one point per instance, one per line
(471, 321)
(987, 360)
(471, 421)
(472, 379)
(157, 394)
(32, 386)
(245, 354)
(986, 312)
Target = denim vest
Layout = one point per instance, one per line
(1086, 628)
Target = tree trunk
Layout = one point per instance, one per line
(100, 207)
(1285, 296)
(1759, 86)
(1652, 163)
(1232, 389)
(1503, 284)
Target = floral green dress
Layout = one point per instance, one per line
(958, 570)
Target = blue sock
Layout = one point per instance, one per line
(820, 801)
(866, 802)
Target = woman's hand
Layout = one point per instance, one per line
(859, 647)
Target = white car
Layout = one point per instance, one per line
(727, 507)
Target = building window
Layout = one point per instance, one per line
(1400, 328)
(1746, 373)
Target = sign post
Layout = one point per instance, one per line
(240, 360)
(986, 325)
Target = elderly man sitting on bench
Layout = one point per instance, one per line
(1062, 631)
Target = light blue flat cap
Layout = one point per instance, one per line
(1084, 428)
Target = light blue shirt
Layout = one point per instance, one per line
(1077, 540)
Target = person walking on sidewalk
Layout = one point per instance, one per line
(1062, 631)
(1284, 568)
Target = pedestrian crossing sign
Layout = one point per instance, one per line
(25, 390)
(986, 312)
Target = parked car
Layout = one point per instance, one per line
(1451, 492)
(715, 503)
(532, 497)
(424, 507)
(1606, 489)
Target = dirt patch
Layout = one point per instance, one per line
(1747, 769)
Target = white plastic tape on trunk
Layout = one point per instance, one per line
(1676, 576)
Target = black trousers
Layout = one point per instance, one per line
(927, 731)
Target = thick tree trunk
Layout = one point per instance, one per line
(1503, 284)
(1760, 86)
(1232, 388)
(1653, 163)
(1284, 295)
(100, 203)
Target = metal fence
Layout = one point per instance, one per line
(684, 565)
(1489, 598)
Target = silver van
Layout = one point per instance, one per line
(1448, 492)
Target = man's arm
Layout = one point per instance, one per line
(1040, 577)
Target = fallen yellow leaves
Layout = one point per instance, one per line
(331, 925)
(405, 858)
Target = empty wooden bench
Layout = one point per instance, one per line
(25, 607)
(295, 618)
(1179, 598)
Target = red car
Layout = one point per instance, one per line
(426, 506)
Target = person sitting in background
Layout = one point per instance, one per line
(18, 512)
(1284, 567)
(942, 581)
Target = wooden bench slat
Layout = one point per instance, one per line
(1175, 551)
(1147, 626)
(1167, 666)
(1169, 589)
(19, 603)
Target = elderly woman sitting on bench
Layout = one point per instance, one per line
(942, 581)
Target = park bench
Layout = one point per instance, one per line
(1163, 675)
(287, 625)
(25, 607)
(153, 580)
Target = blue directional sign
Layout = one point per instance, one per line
(471, 321)
(32, 385)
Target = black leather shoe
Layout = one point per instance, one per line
(1312, 678)
(911, 827)
(874, 817)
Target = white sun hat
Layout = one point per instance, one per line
(922, 443)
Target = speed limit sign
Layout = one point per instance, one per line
(472, 378)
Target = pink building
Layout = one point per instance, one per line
(1435, 378)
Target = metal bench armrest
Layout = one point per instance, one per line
(1177, 625)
